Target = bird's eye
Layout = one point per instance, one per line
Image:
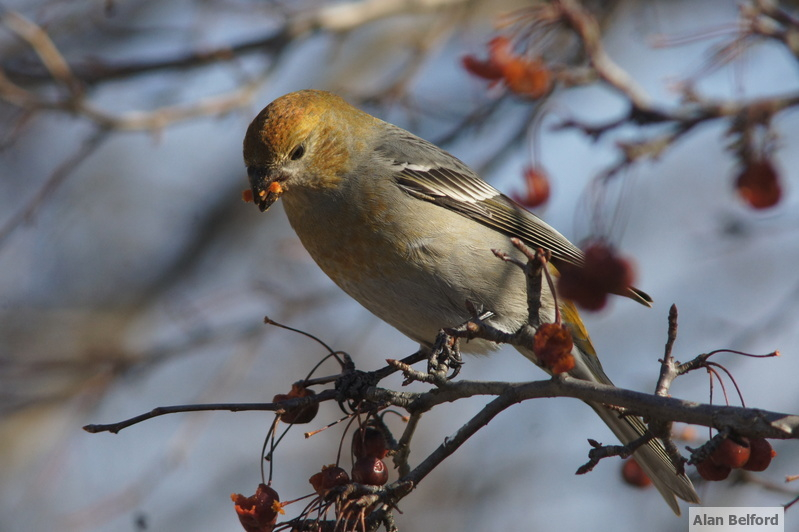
(297, 152)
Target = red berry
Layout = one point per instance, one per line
(537, 187)
(370, 470)
(483, 69)
(553, 345)
(731, 453)
(760, 456)
(369, 441)
(258, 513)
(298, 415)
(708, 470)
(603, 272)
(759, 184)
(527, 77)
(327, 479)
(634, 475)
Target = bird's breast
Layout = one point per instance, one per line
(413, 265)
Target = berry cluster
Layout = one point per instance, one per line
(369, 447)
(751, 454)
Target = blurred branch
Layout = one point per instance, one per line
(337, 19)
(38, 39)
(767, 18)
(59, 175)
(694, 108)
(155, 120)
(587, 28)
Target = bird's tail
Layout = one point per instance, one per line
(652, 457)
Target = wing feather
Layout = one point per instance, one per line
(474, 198)
(440, 178)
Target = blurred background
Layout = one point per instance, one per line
(132, 275)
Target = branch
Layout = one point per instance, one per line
(692, 111)
(231, 407)
(339, 18)
(452, 443)
(752, 422)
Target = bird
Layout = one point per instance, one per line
(406, 229)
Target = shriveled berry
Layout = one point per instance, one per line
(258, 513)
(709, 470)
(634, 475)
(369, 441)
(327, 479)
(603, 272)
(731, 453)
(370, 470)
(537, 188)
(553, 345)
(760, 455)
(300, 415)
(530, 78)
(759, 184)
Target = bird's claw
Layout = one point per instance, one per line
(445, 356)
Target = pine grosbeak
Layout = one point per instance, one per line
(406, 229)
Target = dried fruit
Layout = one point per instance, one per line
(298, 415)
(709, 470)
(258, 513)
(482, 69)
(731, 453)
(537, 188)
(634, 475)
(275, 188)
(370, 470)
(327, 479)
(369, 441)
(526, 77)
(553, 345)
(759, 184)
(603, 273)
(760, 456)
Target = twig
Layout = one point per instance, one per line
(452, 443)
(599, 452)
(668, 367)
(404, 444)
(40, 42)
(682, 118)
(299, 402)
(586, 27)
(338, 18)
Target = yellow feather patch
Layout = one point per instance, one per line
(571, 319)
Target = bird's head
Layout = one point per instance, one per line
(301, 139)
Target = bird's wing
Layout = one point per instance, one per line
(433, 175)
(460, 190)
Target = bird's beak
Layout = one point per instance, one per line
(266, 186)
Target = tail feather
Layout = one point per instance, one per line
(651, 457)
